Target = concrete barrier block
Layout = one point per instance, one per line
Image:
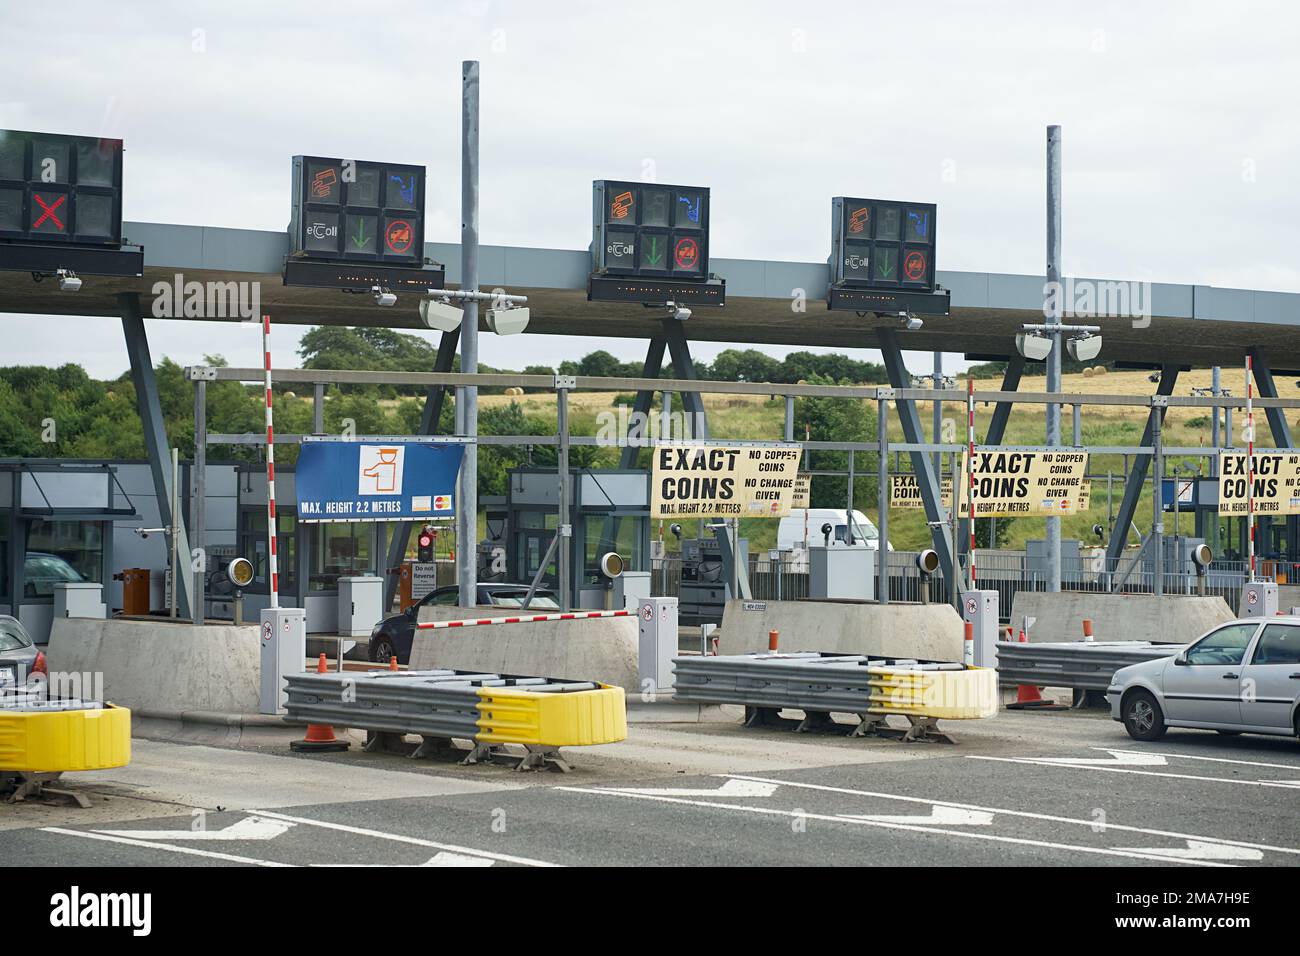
(926, 631)
(161, 666)
(1169, 618)
(600, 649)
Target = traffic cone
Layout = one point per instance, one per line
(392, 663)
(1027, 695)
(319, 737)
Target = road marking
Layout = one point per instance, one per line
(170, 848)
(249, 828)
(1244, 763)
(442, 858)
(947, 816)
(413, 841)
(1051, 818)
(855, 821)
(1144, 773)
(735, 787)
(1294, 784)
(1196, 850)
(1125, 758)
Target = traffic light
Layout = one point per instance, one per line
(425, 544)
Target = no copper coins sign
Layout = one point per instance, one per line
(702, 480)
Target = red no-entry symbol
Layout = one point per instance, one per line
(48, 212)
(400, 235)
(687, 253)
(914, 265)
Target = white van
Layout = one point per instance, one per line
(790, 533)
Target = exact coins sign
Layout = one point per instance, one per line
(905, 493)
(1277, 483)
(1018, 483)
(723, 481)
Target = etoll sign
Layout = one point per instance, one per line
(702, 480)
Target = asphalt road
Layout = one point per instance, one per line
(1062, 789)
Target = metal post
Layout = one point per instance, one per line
(564, 532)
(938, 408)
(199, 502)
(848, 515)
(173, 532)
(1053, 317)
(1215, 390)
(1157, 496)
(789, 418)
(318, 408)
(1078, 426)
(666, 423)
(467, 512)
(1250, 468)
(882, 502)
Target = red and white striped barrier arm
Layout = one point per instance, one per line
(526, 619)
(1250, 463)
(970, 472)
(270, 467)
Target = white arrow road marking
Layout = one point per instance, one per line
(249, 828)
(413, 841)
(1196, 850)
(962, 834)
(170, 848)
(731, 788)
(946, 816)
(1117, 758)
(1108, 767)
(446, 858)
(1244, 763)
(1090, 822)
(1295, 784)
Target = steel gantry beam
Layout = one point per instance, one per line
(155, 438)
(684, 368)
(922, 466)
(1138, 474)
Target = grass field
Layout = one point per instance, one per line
(757, 417)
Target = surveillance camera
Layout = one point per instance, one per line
(384, 297)
(676, 530)
(68, 281)
(441, 316)
(680, 312)
(1084, 348)
(911, 323)
(1033, 346)
(507, 321)
(1098, 530)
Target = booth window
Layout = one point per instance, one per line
(340, 550)
(61, 552)
(253, 547)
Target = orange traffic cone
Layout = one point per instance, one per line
(319, 737)
(1027, 695)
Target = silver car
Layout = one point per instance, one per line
(1243, 676)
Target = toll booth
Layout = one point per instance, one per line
(1192, 513)
(56, 528)
(609, 510)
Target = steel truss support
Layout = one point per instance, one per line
(922, 465)
(1137, 475)
(997, 431)
(1277, 422)
(433, 402)
(155, 439)
(654, 363)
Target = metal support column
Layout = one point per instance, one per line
(564, 530)
(434, 400)
(199, 498)
(789, 419)
(1054, 318)
(926, 478)
(882, 501)
(1157, 504)
(318, 408)
(155, 433)
(467, 507)
(680, 351)
(654, 363)
(1137, 475)
(937, 379)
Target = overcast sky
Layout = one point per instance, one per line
(1179, 126)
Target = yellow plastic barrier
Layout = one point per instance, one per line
(55, 741)
(947, 695)
(575, 719)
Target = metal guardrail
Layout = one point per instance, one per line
(483, 708)
(822, 684)
(1079, 664)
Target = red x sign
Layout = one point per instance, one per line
(49, 211)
